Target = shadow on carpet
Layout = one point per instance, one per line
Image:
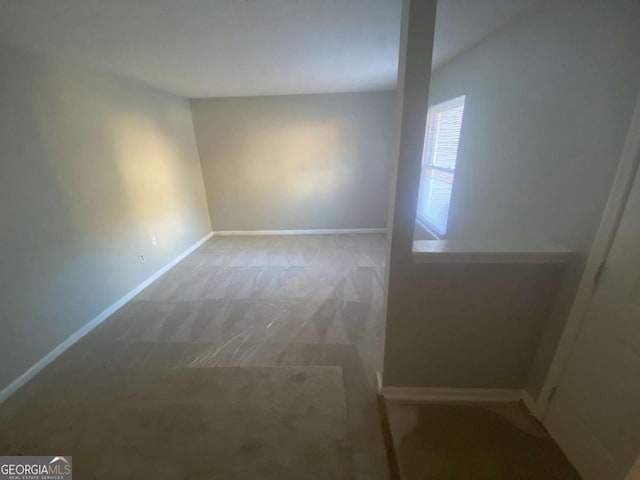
(231, 423)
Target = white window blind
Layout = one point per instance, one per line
(444, 123)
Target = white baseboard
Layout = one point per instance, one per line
(340, 231)
(93, 323)
(459, 396)
(532, 405)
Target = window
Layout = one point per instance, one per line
(444, 122)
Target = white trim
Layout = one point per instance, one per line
(339, 231)
(531, 405)
(622, 183)
(93, 323)
(379, 382)
(460, 396)
(452, 251)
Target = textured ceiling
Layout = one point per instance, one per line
(209, 48)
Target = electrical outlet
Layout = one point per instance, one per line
(142, 257)
(154, 241)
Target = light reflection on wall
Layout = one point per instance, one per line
(122, 163)
(286, 162)
(302, 161)
(120, 166)
(148, 164)
(92, 166)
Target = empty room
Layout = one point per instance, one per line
(299, 239)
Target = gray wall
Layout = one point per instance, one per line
(296, 162)
(548, 104)
(91, 167)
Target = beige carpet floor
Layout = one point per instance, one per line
(227, 423)
(297, 300)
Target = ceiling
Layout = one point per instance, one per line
(213, 48)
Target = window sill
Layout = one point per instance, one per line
(452, 251)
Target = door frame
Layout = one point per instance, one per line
(620, 189)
